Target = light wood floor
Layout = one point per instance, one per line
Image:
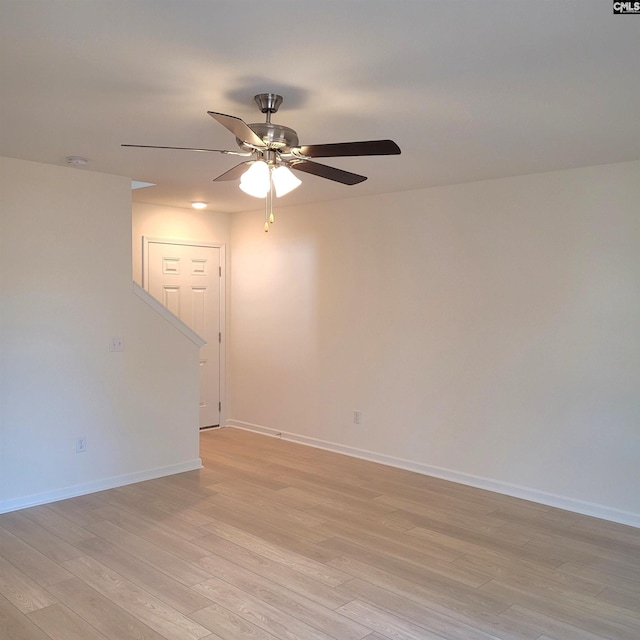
(274, 540)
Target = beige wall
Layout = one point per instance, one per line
(488, 332)
(65, 264)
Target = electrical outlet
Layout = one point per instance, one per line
(116, 344)
(357, 416)
(81, 444)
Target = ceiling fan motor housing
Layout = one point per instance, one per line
(275, 136)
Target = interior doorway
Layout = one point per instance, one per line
(187, 277)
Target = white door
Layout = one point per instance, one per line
(186, 278)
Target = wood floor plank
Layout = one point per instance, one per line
(17, 626)
(601, 576)
(484, 547)
(286, 556)
(316, 494)
(285, 599)
(264, 473)
(79, 510)
(488, 542)
(229, 625)
(298, 523)
(274, 540)
(622, 599)
(30, 561)
(61, 623)
(142, 507)
(154, 532)
(385, 525)
(448, 625)
(329, 482)
(49, 544)
(278, 536)
(286, 575)
(57, 524)
(101, 613)
(145, 575)
(25, 594)
(443, 595)
(456, 515)
(241, 489)
(566, 549)
(174, 507)
(422, 502)
(385, 623)
(168, 622)
(583, 614)
(178, 494)
(388, 542)
(194, 483)
(273, 620)
(165, 561)
(604, 531)
(540, 622)
(519, 574)
(421, 571)
(583, 605)
(244, 492)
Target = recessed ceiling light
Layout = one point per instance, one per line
(199, 205)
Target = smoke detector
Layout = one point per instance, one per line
(76, 161)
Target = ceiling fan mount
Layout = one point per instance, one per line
(268, 102)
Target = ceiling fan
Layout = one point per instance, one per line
(275, 150)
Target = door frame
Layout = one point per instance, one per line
(146, 241)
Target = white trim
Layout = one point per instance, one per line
(223, 297)
(159, 308)
(505, 488)
(100, 485)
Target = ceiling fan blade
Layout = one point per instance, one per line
(151, 146)
(324, 171)
(239, 128)
(235, 172)
(339, 149)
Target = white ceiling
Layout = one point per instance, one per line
(469, 89)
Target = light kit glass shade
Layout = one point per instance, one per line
(255, 181)
(261, 179)
(284, 181)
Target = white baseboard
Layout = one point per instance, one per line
(100, 485)
(525, 493)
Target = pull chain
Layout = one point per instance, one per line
(268, 205)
